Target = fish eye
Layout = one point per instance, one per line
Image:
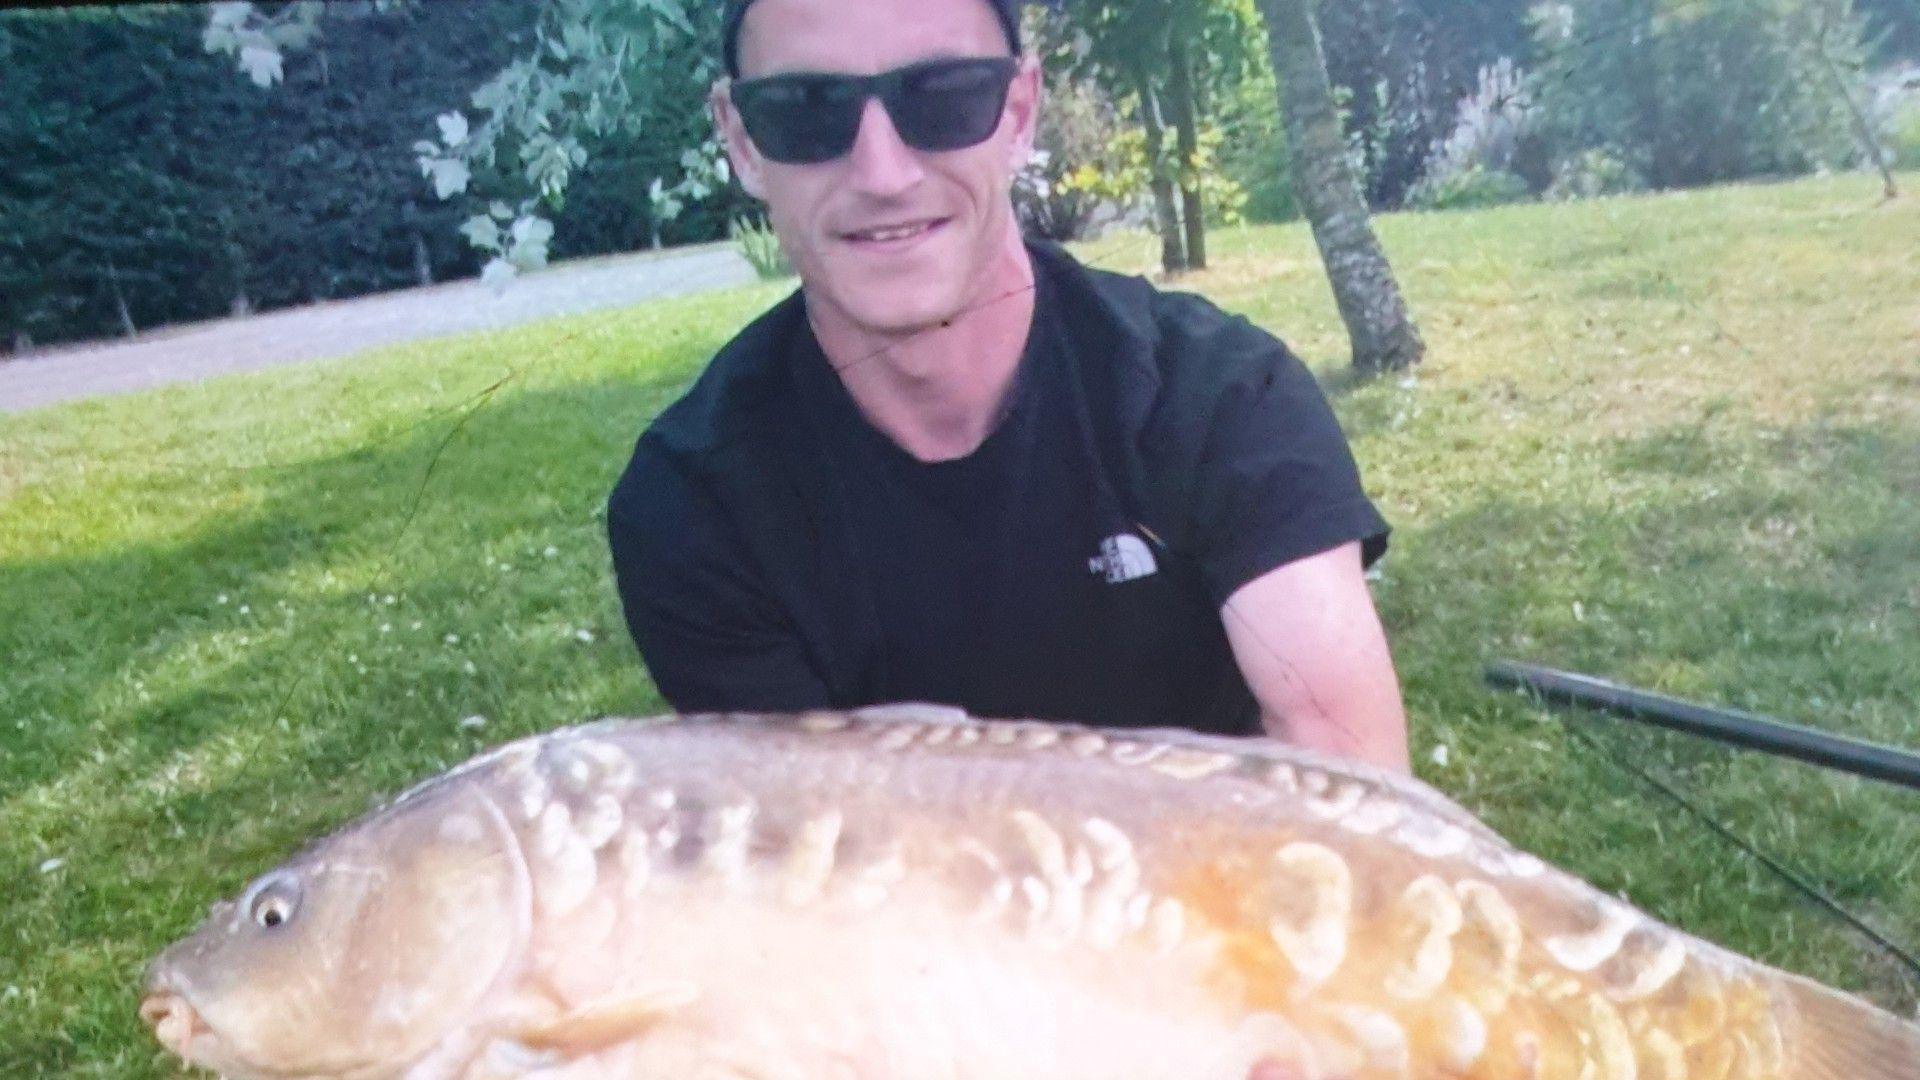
(271, 908)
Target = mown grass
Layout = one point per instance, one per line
(1671, 440)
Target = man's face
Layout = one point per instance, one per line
(895, 239)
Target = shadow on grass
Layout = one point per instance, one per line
(1775, 571)
(151, 757)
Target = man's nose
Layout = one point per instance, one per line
(881, 163)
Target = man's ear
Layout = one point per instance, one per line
(1024, 98)
(741, 153)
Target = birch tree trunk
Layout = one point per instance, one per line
(1862, 127)
(1186, 123)
(1173, 253)
(1383, 335)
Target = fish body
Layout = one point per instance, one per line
(911, 894)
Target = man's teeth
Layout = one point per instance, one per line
(898, 232)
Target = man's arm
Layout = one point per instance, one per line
(1310, 645)
(712, 637)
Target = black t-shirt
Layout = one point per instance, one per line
(776, 551)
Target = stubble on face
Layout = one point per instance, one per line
(889, 240)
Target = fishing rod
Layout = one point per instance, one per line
(1734, 728)
(1730, 726)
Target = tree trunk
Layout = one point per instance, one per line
(1173, 253)
(1862, 127)
(120, 302)
(1187, 135)
(1383, 335)
(422, 260)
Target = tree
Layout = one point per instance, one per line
(146, 184)
(1383, 335)
(1167, 61)
(1694, 92)
(593, 71)
(1399, 66)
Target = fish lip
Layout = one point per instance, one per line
(175, 1023)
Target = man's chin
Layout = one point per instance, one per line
(902, 314)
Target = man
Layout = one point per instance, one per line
(956, 467)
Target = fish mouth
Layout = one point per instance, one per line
(174, 1022)
(179, 1027)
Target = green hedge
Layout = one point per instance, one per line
(148, 182)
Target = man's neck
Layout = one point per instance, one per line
(938, 392)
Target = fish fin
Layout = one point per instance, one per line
(1841, 1037)
(603, 1023)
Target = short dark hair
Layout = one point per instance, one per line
(1008, 12)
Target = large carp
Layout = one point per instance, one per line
(908, 894)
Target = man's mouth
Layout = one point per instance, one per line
(894, 234)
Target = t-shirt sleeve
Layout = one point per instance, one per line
(710, 633)
(1275, 480)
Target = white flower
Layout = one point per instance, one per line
(584, 634)
(221, 599)
(51, 865)
(245, 609)
(473, 723)
(386, 628)
(551, 551)
(1440, 755)
(469, 668)
(452, 639)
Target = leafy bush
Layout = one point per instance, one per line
(1491, 126)
(1088, 163)
(761, 248)
(1894, 110)
(1904, 144)
(1700, 93)
(1474, 186)
(1399, 68)
(1253, 151)
(1225, 200)
(1593, 173)
(1485, 160)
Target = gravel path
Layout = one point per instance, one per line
(201, 350)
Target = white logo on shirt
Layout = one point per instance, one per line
(1123, 558)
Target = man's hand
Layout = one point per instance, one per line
(1310, 645)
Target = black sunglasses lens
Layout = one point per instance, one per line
(950, 105)
(939, 105)
(800, 119)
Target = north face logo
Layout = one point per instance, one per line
(1123, 558)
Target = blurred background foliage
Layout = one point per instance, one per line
(149, 182)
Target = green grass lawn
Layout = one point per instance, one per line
(1671, 440)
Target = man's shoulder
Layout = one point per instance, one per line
(1172, 347)
(738, 393)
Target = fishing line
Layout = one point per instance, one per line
(1799, 882)
(472, 404)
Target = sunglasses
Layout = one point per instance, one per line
(806, 118)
